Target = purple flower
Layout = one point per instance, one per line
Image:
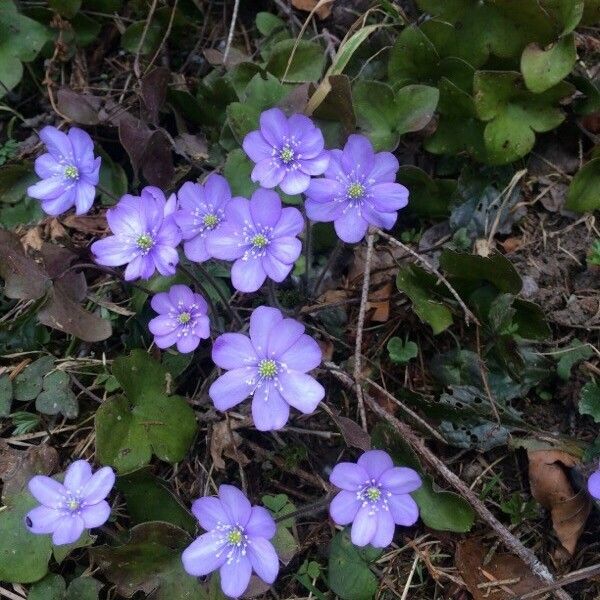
(68, 170)
(145, 236)
(70, 507)
(594, 485)
(358, 190)
(286, 151)
(182, 319)
(271, 365)
(201, 212)
(260, 237)
(236, 541)
(374, 498)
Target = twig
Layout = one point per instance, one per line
(236, 8)
(538, 568)
(165, 37)
(359, 331)
(136, 60)
(508, 190)
(410, 577)
(469, 316)
(573, 577)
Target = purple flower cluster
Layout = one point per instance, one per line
(236, 541)
(69, 172)
(70, 507)
(374, 498)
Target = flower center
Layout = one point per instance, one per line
(267, 368)
(286, 155)
(210, 221)
(145, 242)
(73, 504)
(235, 537)
(373, 493)
(259, 241)
(355, 190)
(71, 172)
(184, 318)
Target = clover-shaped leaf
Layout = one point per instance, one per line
(384, 115)
(29, 383)
(514, 114)
(146, 421)
(402, 352)
(543, 68)
(57, 397)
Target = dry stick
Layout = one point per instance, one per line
(136, 60)
(236, 8)
(573, 577)
(359, 332)
(469, 316)
(164, 39)
(538, 568)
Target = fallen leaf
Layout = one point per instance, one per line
(470, 555)
(33, 240)
(511, 244)
(380, 301)
(322, 12)
(154, 91)
(81, 108)
(551, 487)
(89, 224)
(354, 435)
(226, 441)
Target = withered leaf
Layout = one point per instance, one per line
(81, 108)
(551, 487)
(353, 434)
(154, 91)
(502, 567)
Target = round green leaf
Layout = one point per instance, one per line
(544, 68)
(52, 587)
(584, 190)
(307, 64)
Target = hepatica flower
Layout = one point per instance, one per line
(236, 541)
(287, 152)
(201, 212)
(374, 498)
(181, 319)
(594, 485)
(70, 507)
(145, 236)
(260, 236)
(69, 171)
(271, 366)
(357, 190)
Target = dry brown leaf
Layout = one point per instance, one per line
(322, 12)
(94, 224)
(380, 301)
(551, 487)
(354, 435)
(225, 441)
(502, 568)
(511, 244)
(33, 240)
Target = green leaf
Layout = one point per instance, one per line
(589, 401)
(284, 539)
(23, 556)
(543, 68)
(401, 352)
(57, 397)
(66, 8)
(514, 114)
(385, 116)
(349, 575)
(29, 383)
(52, 587)
(307, 64)
(6, 395)
(237, 170)
(441, 510)
(584, 189)
(112, 178)
(420, 286)
(495, 269)
(150, 562)
(428, 197)
(84, 588)
(21, 38)
(267, 23)
(148, 498)
(86, 29)
(147, 421)
(573, 354)
(61, 552)
(132, 36)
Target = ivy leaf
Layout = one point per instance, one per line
(420, 287)
(29, 383)
(401, 352)
(23, 556)
(385, 116)
(150, 562)
(57, 397)
(544, 68)
(573, 354)
(146, 421)
(589, 401)
(584, 189)
(349, 575)
(514, 114)
(21, 38)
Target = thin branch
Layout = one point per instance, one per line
(538, 568)
(236, 8)
(469, 316)
(359, 331)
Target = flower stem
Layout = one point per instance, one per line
(197, 281)
(307, 509)
(333, 255)
(226, 301)
(307, 255)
